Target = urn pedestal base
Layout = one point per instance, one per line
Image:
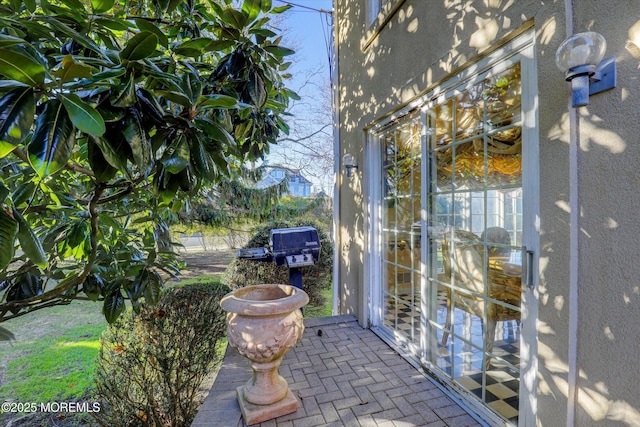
(254, 414)
(263, 323)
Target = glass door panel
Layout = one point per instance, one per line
(401, 213)
(452, 223)
(475, 236)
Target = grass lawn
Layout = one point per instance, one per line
(52, 358)
(322, 311)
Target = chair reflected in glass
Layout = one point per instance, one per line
(464, 267)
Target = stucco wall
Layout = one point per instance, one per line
(419, 47)
(609, 278)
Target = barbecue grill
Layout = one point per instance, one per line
(294, 247)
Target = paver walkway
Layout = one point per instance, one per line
(343, 376)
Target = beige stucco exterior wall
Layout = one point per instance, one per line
(609, 180)
(422, 44)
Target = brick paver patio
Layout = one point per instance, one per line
(344, 376)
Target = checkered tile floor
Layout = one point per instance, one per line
(463, 359)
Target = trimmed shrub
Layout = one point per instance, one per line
(315, 278)
(152, 364)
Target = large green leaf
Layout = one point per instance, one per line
(34, 29)
(74, 5)
(252, 8)
(281, 9)
(113, 23)
(126, 96)
(81, 39)
(191, 86)
(11, 84)
(278, 50)
(149, 107)
(21, 195)
(216, 132)
(8, 231)
(179, 158)
(282, 125)
(288, 93)
(264, 32)
(83, 116)
(113, 306)
(152, 286)
(53, 139)
(257, 88)
(107, 76)
(116, 158)
(17, 109)
(101, 168)
(71, 70)
(135, 136)
(141, 46)
(194, 47)
(30, 5)
(217, 45)
(21, 68)
(93, 286)
(29, 242)
(6, 40)
(202, 161)
(235, 18)
(15, 5)
(4, 192)
(218, 101)
(146, 25)
(78, 233)
(266, 5)
(173, 4)
(177, 97)
(134, 291)
(101, 6)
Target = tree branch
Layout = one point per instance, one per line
(302, 138)
(35, 307)
(74, 167)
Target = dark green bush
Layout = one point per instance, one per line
(314, 278)
(152, 364)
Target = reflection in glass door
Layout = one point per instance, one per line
(401, 248)
(451, 236)
(475, 239)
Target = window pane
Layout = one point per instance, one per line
(402, 151)
(469, 112)
(442, 119)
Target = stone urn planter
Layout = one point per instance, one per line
(263, 323)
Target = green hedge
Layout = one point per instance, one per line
(152, 364)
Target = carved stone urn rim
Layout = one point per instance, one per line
(264, 300)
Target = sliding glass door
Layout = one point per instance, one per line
(453, 227)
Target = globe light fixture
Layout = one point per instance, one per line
(580, 58)
(349, 163)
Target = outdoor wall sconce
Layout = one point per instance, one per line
(580, 58)
(349, 163)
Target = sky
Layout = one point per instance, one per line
(307, 29)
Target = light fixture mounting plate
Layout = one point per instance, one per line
(605, 77)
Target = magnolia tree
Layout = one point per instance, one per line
(111, 113)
